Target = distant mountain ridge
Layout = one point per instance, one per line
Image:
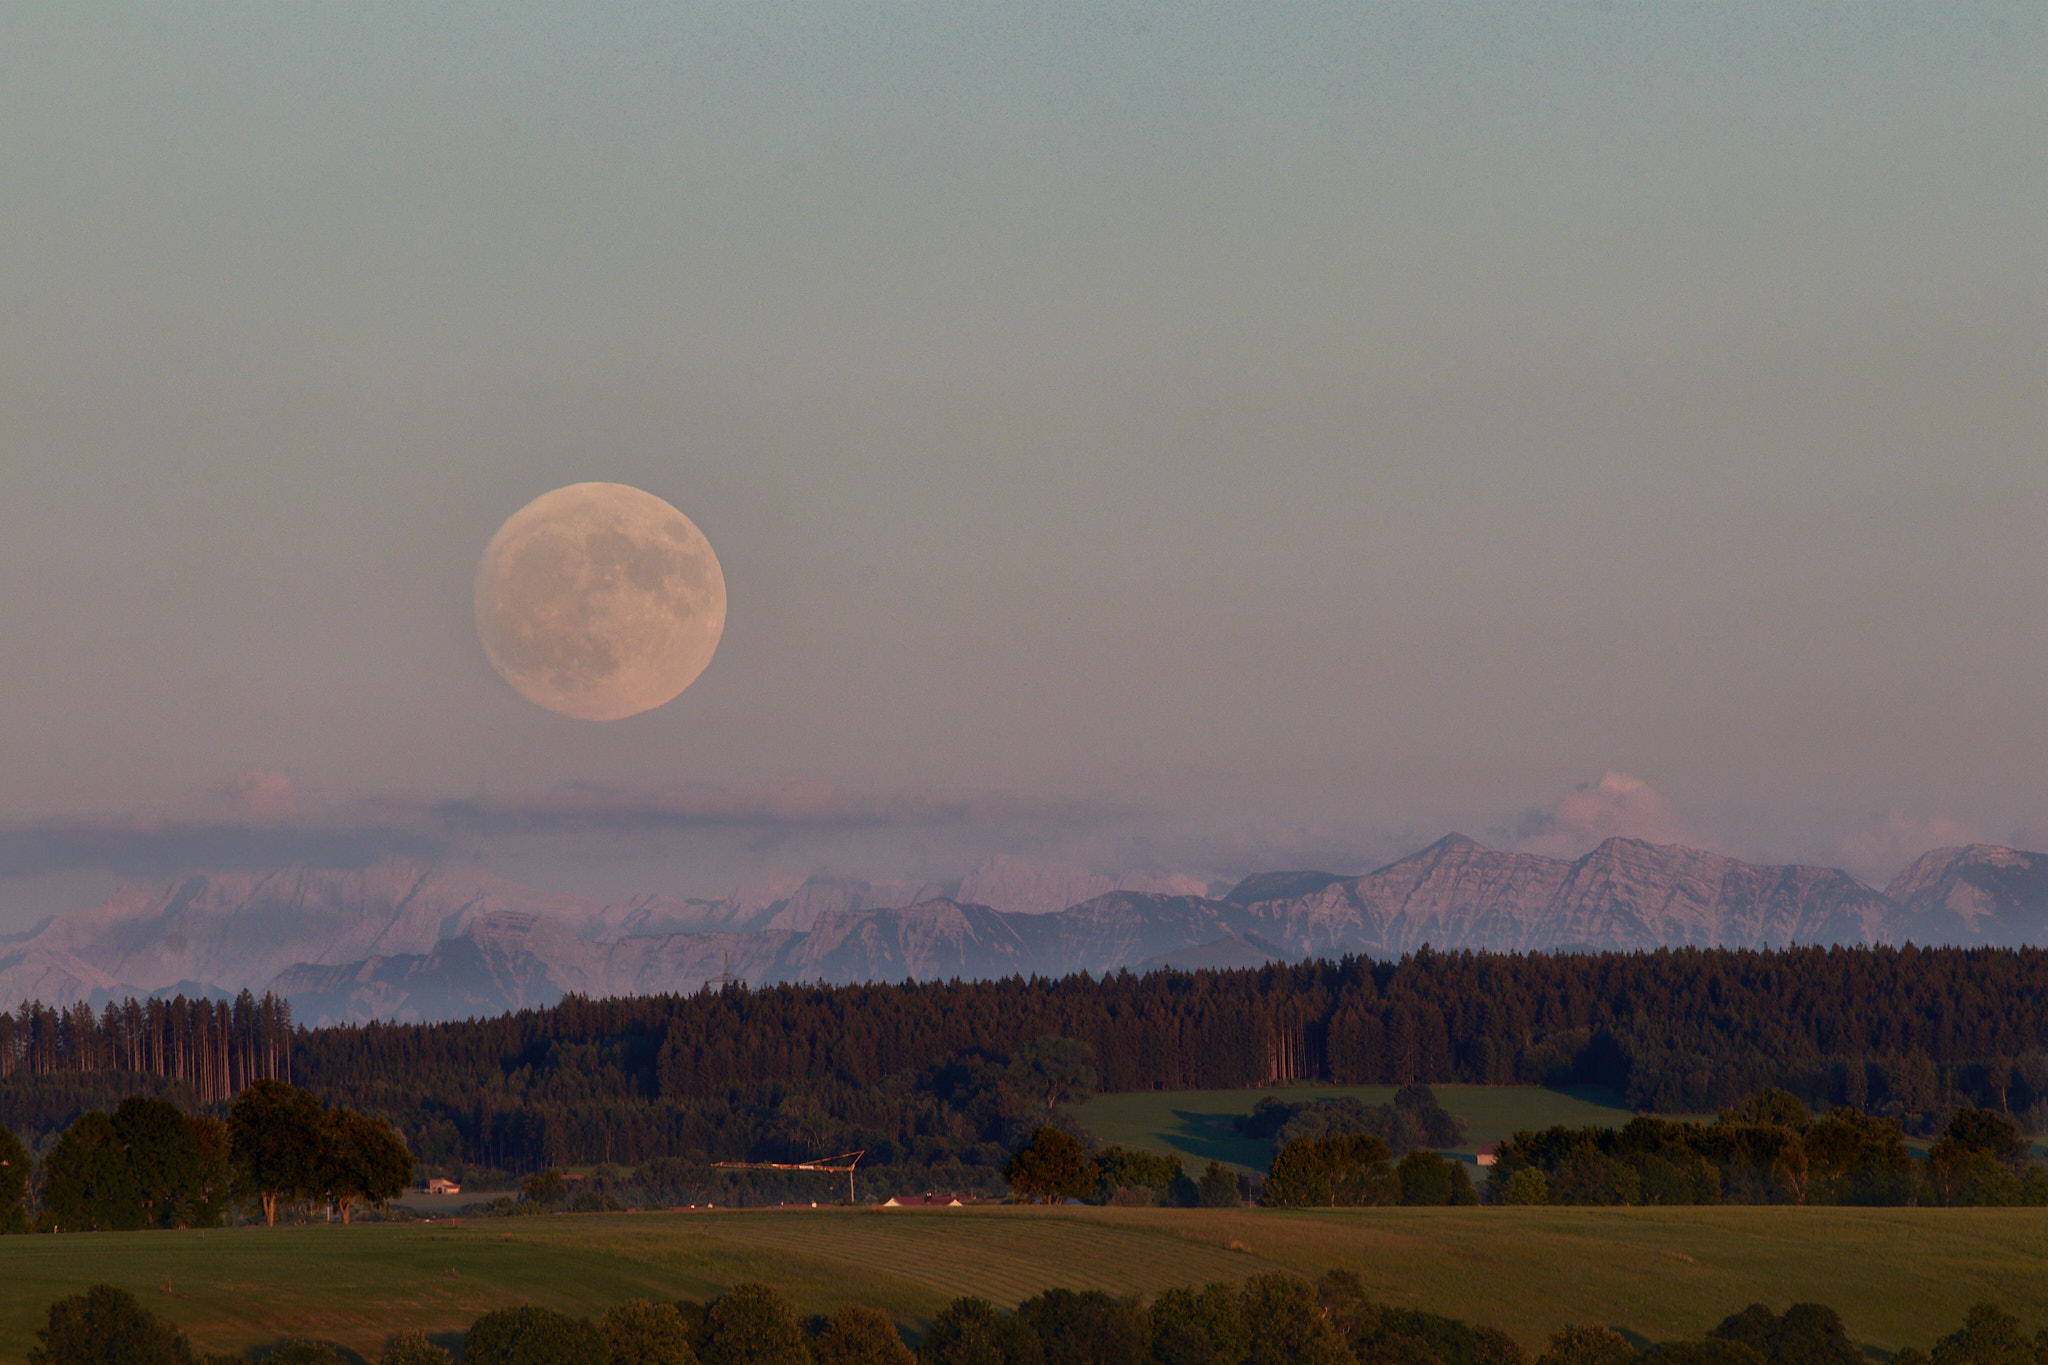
(399, 941)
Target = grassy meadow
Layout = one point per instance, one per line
(1898, 1276)
(1197, 1124)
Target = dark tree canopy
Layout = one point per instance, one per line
(1218, 1188)
(106, 1326)
(1340, 1171)
(360, 1159)
(14, 1173)
(413, 1348)
(1806, 1334)
(87, 1182)
(1200, 1326)
(642, 1332)
(952, 1076)
(163, 1155)
(859, 1335)
(969, 1331)
(751, 1324)
(1286, 1323)
(1088, 1327)
(533, 1336)
(1050, 1168)
(275, 1132)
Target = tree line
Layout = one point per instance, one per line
(149, 1164)
(918, 1074)
(1268, 1319)
(217, 1047)
(1768, 1150)
(1772, 1150)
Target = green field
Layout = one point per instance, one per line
(1898, 1276)
(1196, 1124)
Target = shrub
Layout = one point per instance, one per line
(105, 1325)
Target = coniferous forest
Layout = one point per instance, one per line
(948, 1077)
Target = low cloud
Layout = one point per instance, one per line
(1617, 806)
(259, 794)
(796, 807)
(260, 821)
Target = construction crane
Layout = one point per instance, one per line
(725, 978)
(844, 1162)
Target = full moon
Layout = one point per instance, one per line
(599, 601)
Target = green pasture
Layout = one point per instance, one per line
(1197, 1124)
(1899, 1276)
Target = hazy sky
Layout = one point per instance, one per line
(1134, 434)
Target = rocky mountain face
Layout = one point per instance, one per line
(239, 929)
(1625, 894)
(403, 942)
(1979, 894)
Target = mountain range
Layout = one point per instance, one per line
(403, 941)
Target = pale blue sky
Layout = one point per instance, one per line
(1297, 429)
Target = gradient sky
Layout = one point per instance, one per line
(1132, 434)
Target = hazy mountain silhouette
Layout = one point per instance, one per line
(402, 941)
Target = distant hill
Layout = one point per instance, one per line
(407, 942)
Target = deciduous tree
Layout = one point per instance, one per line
(859, 1335)
(1287, 1324)
(1050, 1168)
(87, 1182)
(274, 1135)
(1054, 1070)
(641, 1332)
(361, 1159)
(1218, 1188)
(751, 1324)
(163, 1156)
(969, 1331)
(1200, 1326)
(531, 1335)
